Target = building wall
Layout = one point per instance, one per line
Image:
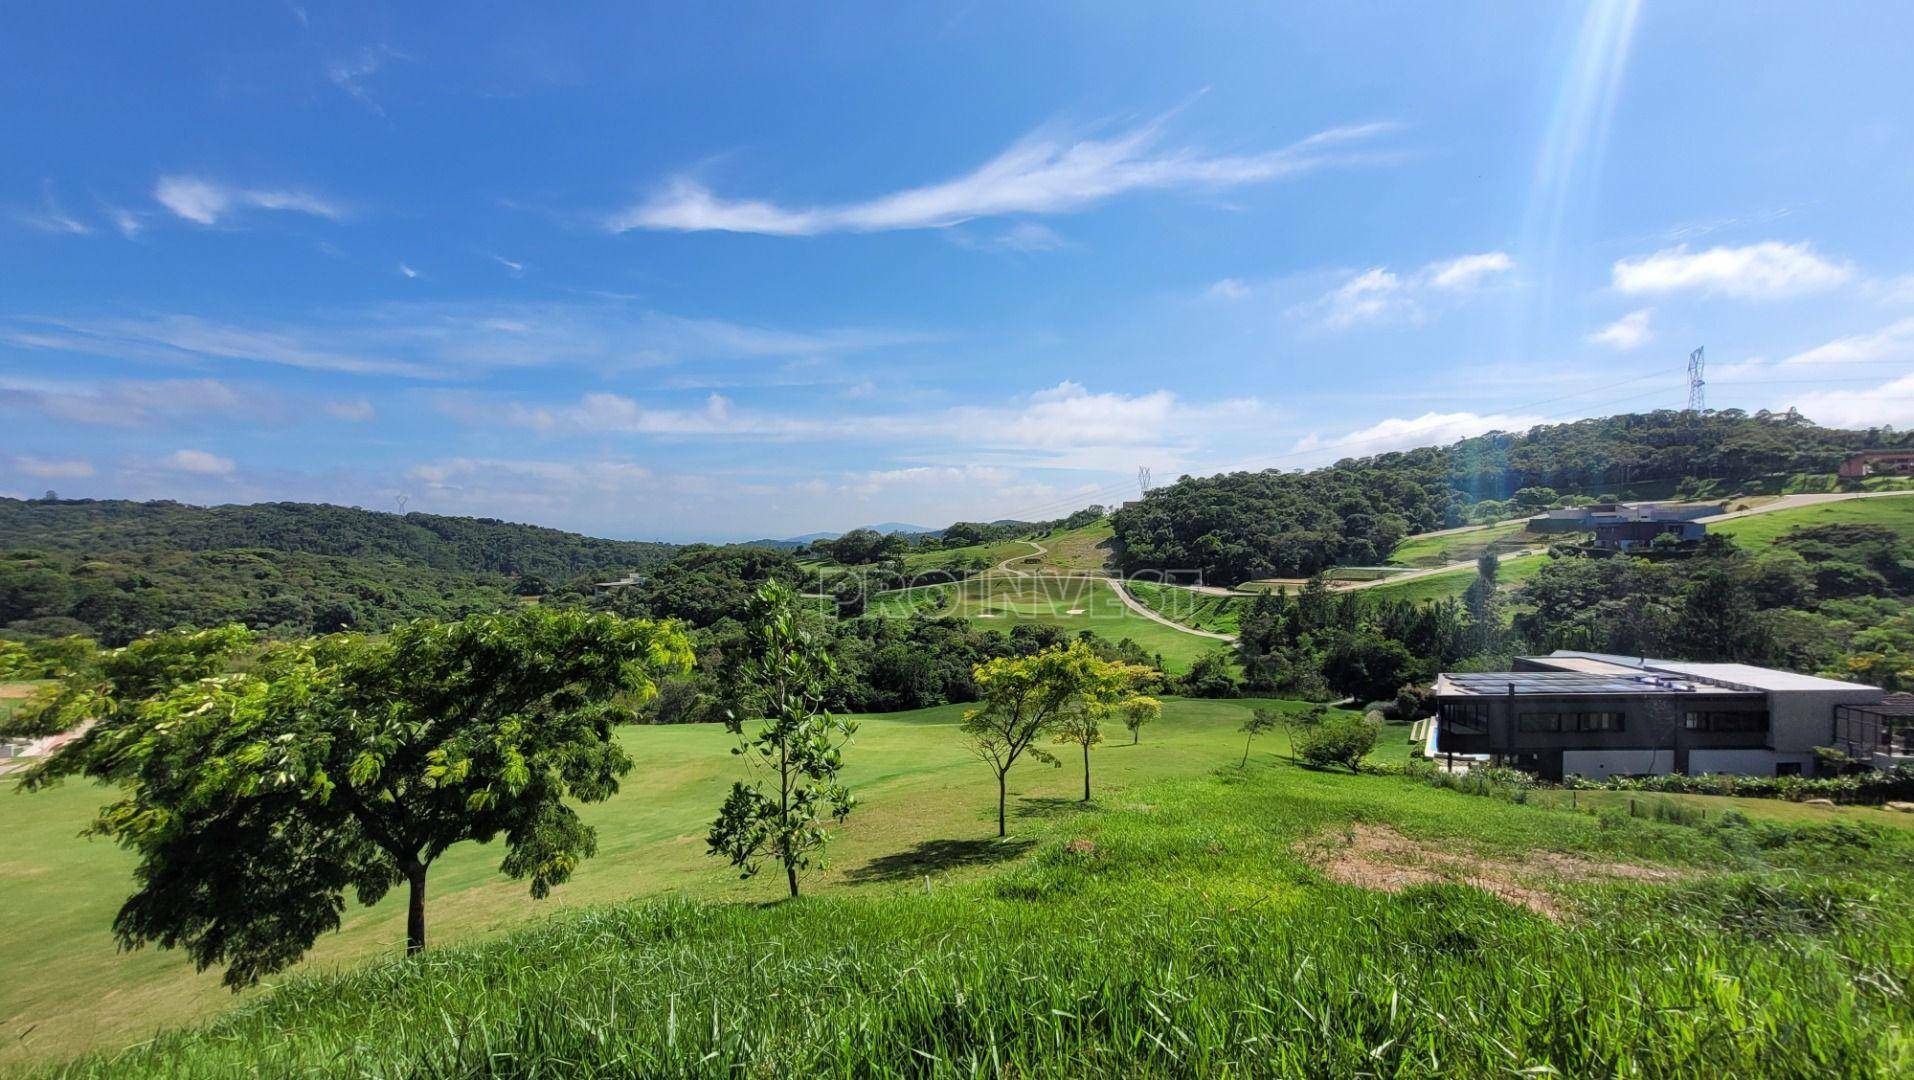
(1744, 762)
(1801, 720)
(1602, 764)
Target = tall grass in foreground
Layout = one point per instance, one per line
(1187, 937)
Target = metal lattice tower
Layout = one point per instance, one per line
(1143, 479)
(1697, 386)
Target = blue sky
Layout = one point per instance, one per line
(745, 270)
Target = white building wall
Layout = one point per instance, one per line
(1743, 762)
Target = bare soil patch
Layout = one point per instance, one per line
(1378, 857)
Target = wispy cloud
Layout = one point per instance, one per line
(124, 403)
(1379, 294)
(51, 217)
(1046, 172)
(198, 462)
(353, 411)
(353, 73)
(206, 202)
(1228, 288)
(420, 340)
(1025, 237)
(1403, 433)
(1890, 403)
(517, 268)
(407, 272)
(1893, 341)
(1631, 331)
(51, 468)
(1765, 271)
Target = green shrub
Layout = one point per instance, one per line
(1339, 740)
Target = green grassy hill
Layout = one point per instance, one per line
(1196, 920)
(928, 808)
(1204, 611)
(1762, 530)
(1000, 602)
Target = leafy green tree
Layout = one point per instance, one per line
(1260, 722)
(1139, 711)
(798, 743)
(256, 798)
(1024, 698)
(1367, 666)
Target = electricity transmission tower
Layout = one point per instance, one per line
(1697, 386)
(1143, 479)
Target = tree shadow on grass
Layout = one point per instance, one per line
(937, 856)
(1053, 807)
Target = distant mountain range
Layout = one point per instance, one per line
(886, 528)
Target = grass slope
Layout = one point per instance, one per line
(927, 807)
(1441, 550)
(1204, 611)
(1762, 530)
(1453, 583)
(1183, 927)
(1001, 602)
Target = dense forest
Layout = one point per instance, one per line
(115, 570)
(1240, 526)
(472, 545)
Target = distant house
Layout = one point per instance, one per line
(1634, 535)
(1877, 463)
(1596, 515)
(1597, 715)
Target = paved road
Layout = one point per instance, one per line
(1789, 502)
(1140, 608)
(1005, 565)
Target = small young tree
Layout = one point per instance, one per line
(255, 799)
(800, 746)
(1023, 698)
(1138, 711)
(1260, 721)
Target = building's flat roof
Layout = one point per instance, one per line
(1502, 683)
(1740, 675)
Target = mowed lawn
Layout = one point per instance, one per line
(927, 809)
(1426, 551)
(1762, 530)
(1514, 571)
(1073, 604)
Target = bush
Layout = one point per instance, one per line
(1340, 740)
(1873, 787)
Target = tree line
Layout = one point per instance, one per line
(1241, 526)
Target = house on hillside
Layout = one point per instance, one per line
(1597, 715)
(1637, 535)
(1596, 515)
(1877, 463)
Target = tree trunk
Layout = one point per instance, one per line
(791, 875)
(415, 909)
(1000, 806)
(1245, 763)
(1086, 772)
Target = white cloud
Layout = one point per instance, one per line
(1887, 343)
(198, 462)
(182, 338)
(52, 468)
(407, 271)
(1768, 270)
(205, 202)
(606, 413)
(1046, 172)
(517, 268)
(1889, 403)
(1631, 331)
(126, 221)
(353, 412)
(1405, 433)
(1468, 271)
(1379, 294)
(1229, 289)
